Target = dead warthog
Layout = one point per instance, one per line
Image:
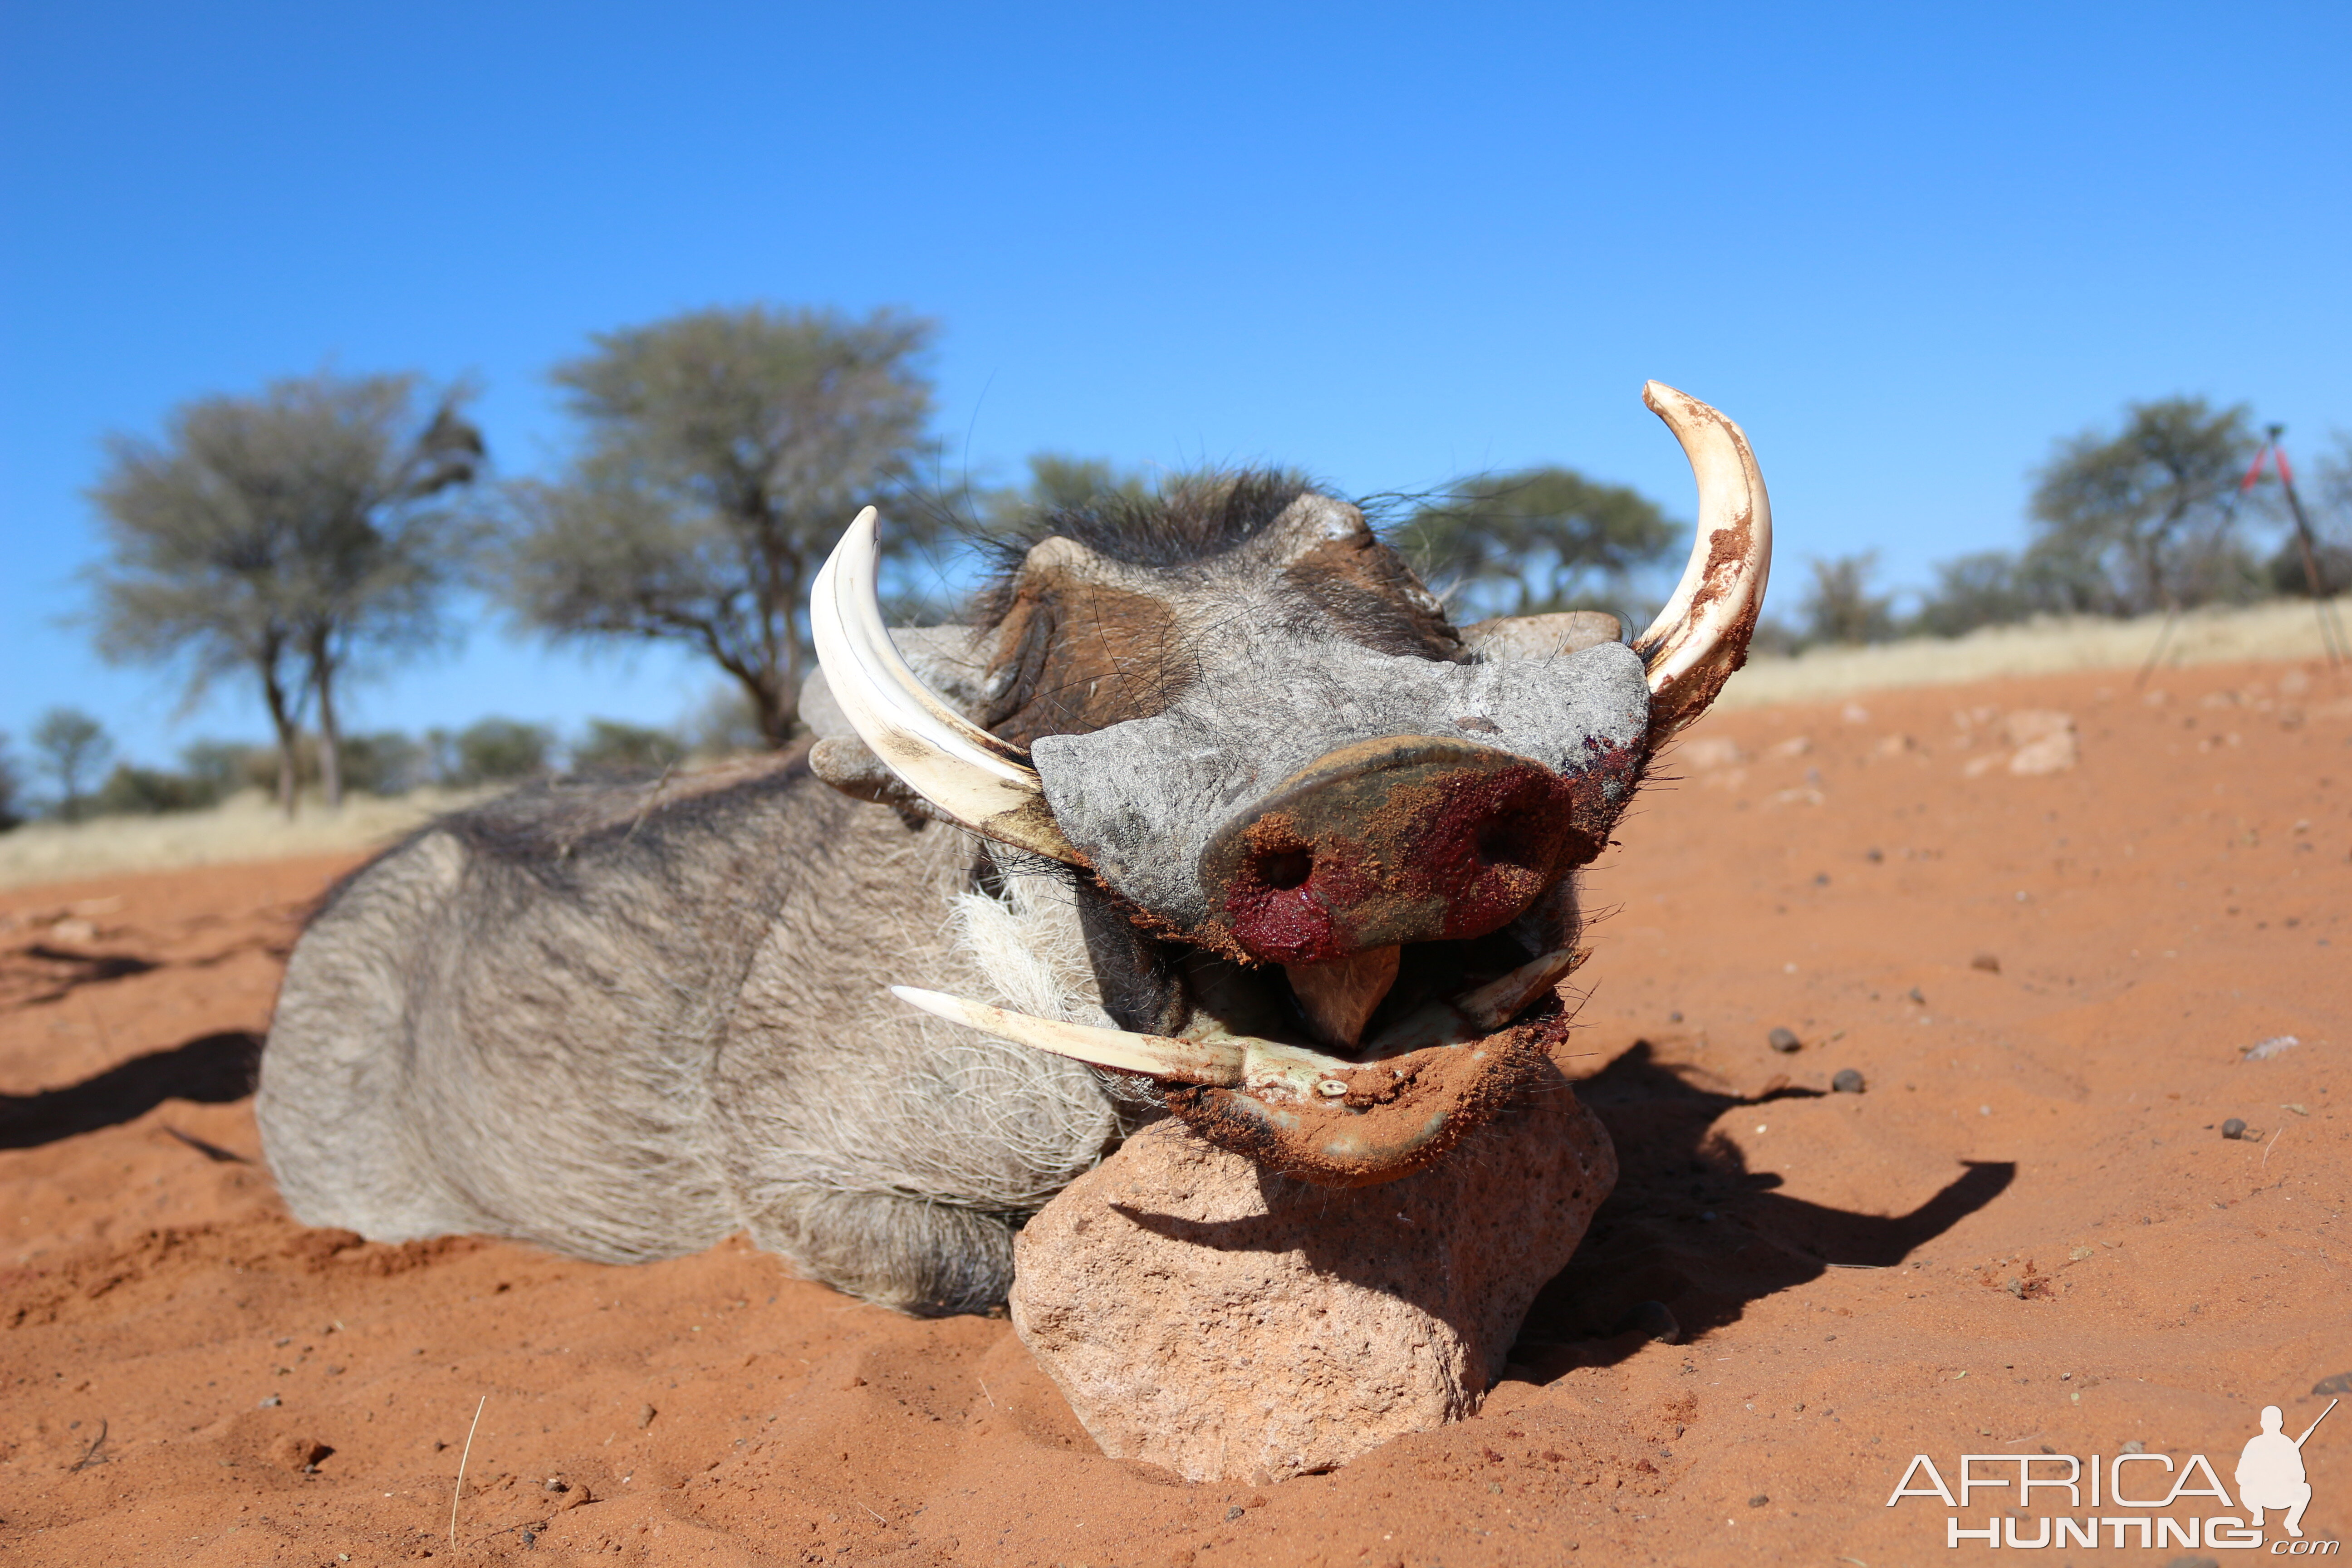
(1209, 812)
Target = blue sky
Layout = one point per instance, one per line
(1907, 247)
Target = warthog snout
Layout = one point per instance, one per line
(1411, 839)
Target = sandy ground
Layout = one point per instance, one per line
(2027, 1234)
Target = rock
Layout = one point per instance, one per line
(292, 1453)
(2044, 740)
(2235, 1128)
(1784, 1041)
(2270, 1047)
(1848, 1081)
(1205, 1315)
(1988, 963)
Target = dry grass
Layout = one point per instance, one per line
(246, 826)
(2282, 631)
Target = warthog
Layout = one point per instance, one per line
(1209, 812)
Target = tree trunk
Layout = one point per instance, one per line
(776, 710)
(331, 737)
(281, 719)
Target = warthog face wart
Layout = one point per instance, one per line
(1324, 843)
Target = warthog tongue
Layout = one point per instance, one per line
(1425, 1080)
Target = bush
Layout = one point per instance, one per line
(611, 746)
(491, 750)
(131, 791)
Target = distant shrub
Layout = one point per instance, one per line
(491, 750)
(611, 746)
(132, 791)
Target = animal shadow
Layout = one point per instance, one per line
(213, 1069)
(1689, 1226)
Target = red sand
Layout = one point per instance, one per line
(2102, 1266)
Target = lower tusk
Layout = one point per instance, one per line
(1495, 1004)
(1340, 998)
(1154, 1055)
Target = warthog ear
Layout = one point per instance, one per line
(1542, 637)
(1701, 635)
(1306, 525)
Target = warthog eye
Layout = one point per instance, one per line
(1284, 869)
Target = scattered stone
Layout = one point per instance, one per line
(2270, 1047)
(297, 1453)
(1758, 1500)
(272, 1402)
(1987, 962)
(1674, 1017)
(2340, 1383)
(1848, 1081)
(1873, 856)
(1290, 1328)
(1794, 746)
(1653, 1321)
(2134, 1447)
(1785, 1041)
(2045, 741)
(646, 1416)
(1710, 751)
(2235, 1128)
(1917, 998)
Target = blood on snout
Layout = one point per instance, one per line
(1392, 841)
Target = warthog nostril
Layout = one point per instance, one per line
(1283, 870)
(1506, 846)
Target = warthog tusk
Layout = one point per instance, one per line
(1701, 635)
(976, 778)
(1155, 1056)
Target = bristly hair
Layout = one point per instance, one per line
(1192, 517)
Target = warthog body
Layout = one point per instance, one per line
(1258, 828)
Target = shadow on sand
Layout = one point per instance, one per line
(213, 1069)
(1689, 1226)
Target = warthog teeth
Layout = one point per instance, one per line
(1495, 1004)
(1154, 1055)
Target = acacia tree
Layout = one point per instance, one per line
(283, 536)
(73, 748)
(1536, 540)
(2139, 520)
(1839, 607)
(723, 452)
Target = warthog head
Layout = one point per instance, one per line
(1325, 842)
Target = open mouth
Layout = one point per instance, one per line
(1344, 1074)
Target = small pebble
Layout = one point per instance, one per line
(1784, 1040)
(1985, 962)
(1916, 997)
(1848, 1081)
(2135, 1447)
(1758, 1500)
(1674, 1017)
(2235, 1128)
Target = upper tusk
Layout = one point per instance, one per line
(977, 778)
(1701, 635)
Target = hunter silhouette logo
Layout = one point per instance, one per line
(2144, 1488)
(2270, 1472)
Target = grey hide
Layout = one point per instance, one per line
(622, 1026)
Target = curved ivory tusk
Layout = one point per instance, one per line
(1154, 1055)
(1701, 635)
(980, 780)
